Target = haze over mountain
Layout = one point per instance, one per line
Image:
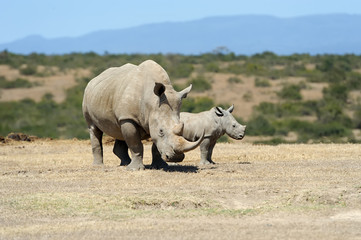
(244, 34)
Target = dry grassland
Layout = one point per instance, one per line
(50, 190)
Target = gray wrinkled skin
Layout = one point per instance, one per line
(215, 122)
(132, 103)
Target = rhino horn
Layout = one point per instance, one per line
(184, 146)
(178, 129)
(230, 109)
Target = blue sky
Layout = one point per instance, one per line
(70, 18)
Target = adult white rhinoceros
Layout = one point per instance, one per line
(132, 103)
(215, 123)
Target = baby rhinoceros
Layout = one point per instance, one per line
(215, 123)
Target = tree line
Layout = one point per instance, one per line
(336, 117)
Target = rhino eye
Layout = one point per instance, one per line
(234, 125)
(161, 133)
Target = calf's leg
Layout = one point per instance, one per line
(206, 152)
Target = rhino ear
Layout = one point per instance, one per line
(184, 92)
(230, 109)
(159, 89)
(219, 112)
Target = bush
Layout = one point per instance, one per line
(357, 117)
(353, 81)
(212, 67)
(223, 139)
(17, 83)
(234, 80)
(259, 125)
(248, 96)
(234, 68)
(261, 82)
(200, 84)
(181, 70)
(28, 70)
(287, 109)
(336, 91)
(290, 92)
(312, 130)
(196, 105)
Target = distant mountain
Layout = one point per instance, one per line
(245, 34)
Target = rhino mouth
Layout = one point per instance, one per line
(240, 137)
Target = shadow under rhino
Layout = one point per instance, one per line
(176, 168)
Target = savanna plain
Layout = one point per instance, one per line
(50, 190)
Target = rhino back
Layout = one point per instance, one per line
(196, 123)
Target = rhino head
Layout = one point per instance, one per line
(229, 124)
(165, 127)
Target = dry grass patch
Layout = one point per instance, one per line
(51, 190)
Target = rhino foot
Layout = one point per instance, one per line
(98, 163)
(124, 162)
(135, 166)
(206, 162)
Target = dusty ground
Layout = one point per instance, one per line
(50, 190)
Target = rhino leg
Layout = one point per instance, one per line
(206, 152)
(96, 136)
(210, 152)
(132, 138)
(157, 161)
(121, 150)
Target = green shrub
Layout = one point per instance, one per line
(260, 125)
(234, 80)
(312, 130)
(248, 96)
(334, 76)
(212, 67)
(223, 139)
(17, 83)
(28, 70)
(234, 68)
(353, 81)
(287, 109)
(290, 92)
(261, 82)
(198, 104)
(336, 91)
(200, 84)
(357, 117)
(181, 70)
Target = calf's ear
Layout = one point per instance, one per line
(219, 111)
(159, 89)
